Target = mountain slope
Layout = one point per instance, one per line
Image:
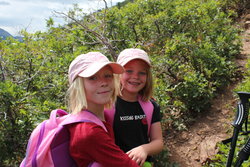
(4, 34)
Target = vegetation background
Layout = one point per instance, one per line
(193, 45)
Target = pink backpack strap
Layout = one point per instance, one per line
(53, 121)
(84, 116)
(148, 109)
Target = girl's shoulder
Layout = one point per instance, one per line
(155, 104)
(87, 129)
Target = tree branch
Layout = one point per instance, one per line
(2, 69)
(102, 38)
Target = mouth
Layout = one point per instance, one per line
(104, 92)
(134, 83)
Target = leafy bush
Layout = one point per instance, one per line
(161, 160)
(14, 123)
(192, 45)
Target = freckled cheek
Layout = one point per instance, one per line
(123, 81)
(111, 83)
(124, 77)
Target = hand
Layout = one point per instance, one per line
(138, 154)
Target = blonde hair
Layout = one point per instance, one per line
(76, 96)
(147, 92)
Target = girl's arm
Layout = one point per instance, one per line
(140, 153)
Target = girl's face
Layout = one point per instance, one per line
(134, 78)
(99, 88)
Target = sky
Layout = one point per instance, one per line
(31, 15)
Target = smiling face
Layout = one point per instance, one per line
(99, 88)
(134, 78)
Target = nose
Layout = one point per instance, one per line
(135, 75)
(104, 81)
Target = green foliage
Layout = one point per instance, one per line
(192, 45)
(220, 159)
(245, 85)
(15, 121)
(240, 6)
(161, 160)
(32, 84)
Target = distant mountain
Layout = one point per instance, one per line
(4, 34)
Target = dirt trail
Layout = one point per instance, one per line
(197, 145)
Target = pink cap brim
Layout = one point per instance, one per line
(97, 66)
(130, 54)
(135, 58)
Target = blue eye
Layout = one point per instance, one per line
(109, 76)
(142, 73)
(129, 71)
(92, 78)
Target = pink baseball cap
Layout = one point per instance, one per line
(130, 54)
(86, 65)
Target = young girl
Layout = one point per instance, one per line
(92, 87)
(130, 122)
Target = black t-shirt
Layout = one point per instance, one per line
(130, 124)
